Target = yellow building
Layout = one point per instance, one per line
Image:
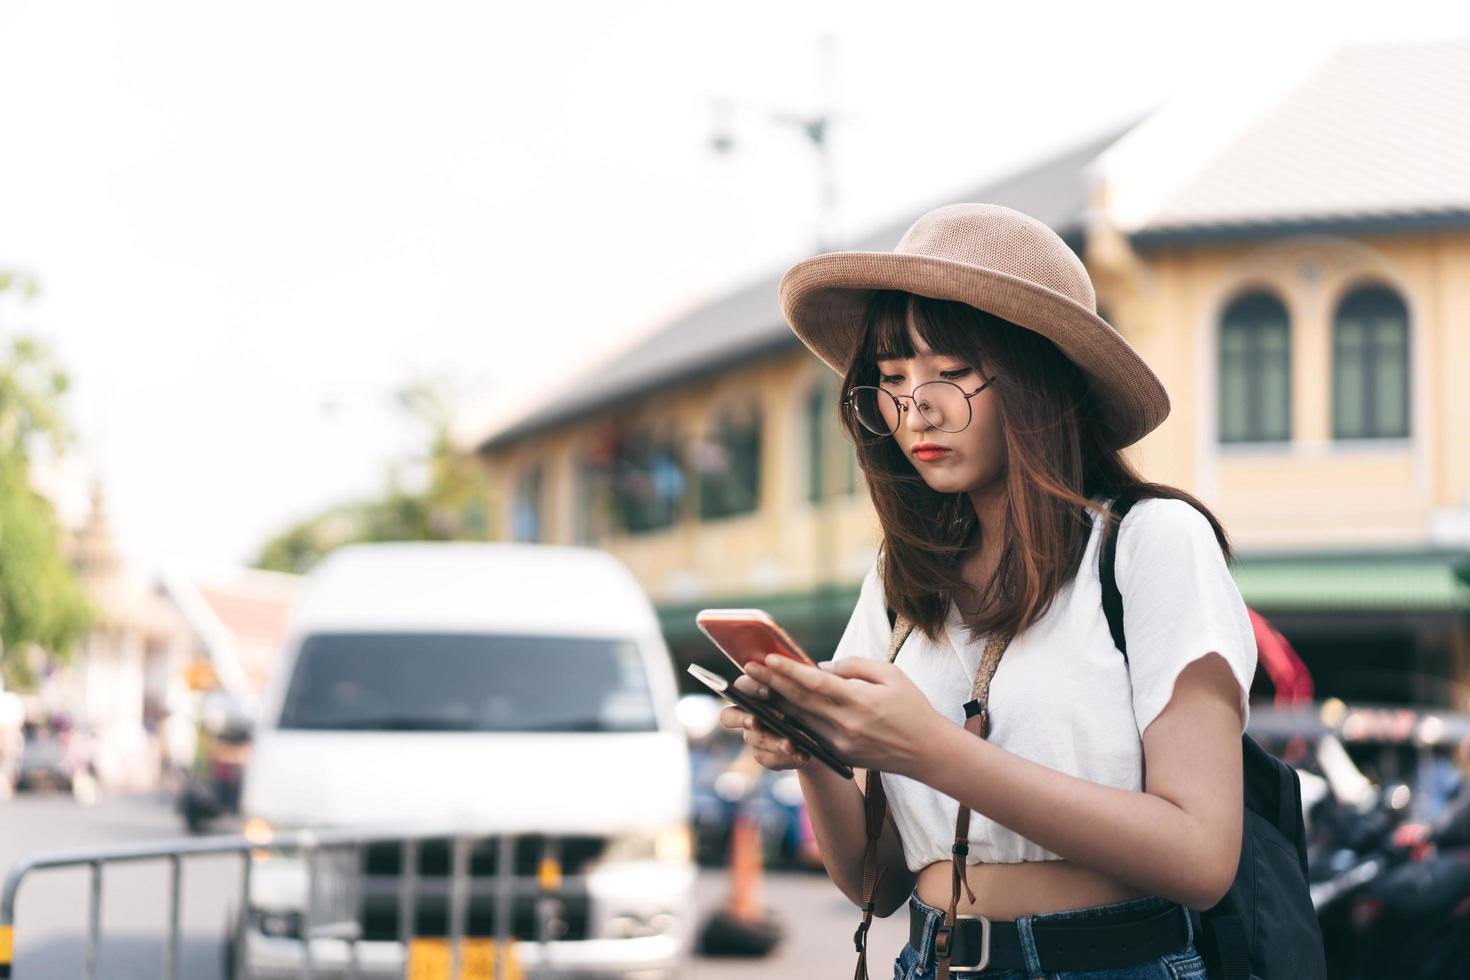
(1295, 267)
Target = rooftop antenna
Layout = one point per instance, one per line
(814, 125)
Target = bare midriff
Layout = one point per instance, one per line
(1007, 891)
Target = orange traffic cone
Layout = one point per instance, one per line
(743, 927)
(746, 867)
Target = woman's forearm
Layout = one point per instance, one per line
(1136, 837)
(835, 806)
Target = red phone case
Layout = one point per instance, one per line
(748, 634)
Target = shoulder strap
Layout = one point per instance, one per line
(977, 722)
(1112, 598)
(875, 811)
(901, 628)
(1222, 939)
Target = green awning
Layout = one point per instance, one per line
(1358, 582)
(815, 618)
(1418, 582)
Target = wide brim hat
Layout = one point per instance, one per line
(998, 260)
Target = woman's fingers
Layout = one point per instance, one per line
(749, 685)
(755, 735)
(804, 686)
(771, 750)
(774, 751)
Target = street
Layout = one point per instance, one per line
(52, 907)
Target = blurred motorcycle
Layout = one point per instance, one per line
(1392, 896)
(211, 788)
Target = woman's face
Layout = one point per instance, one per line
(950, 462)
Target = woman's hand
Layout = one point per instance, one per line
(869, 711)
(769, 749)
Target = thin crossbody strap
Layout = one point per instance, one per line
(875, 807)
(977, 723)
(875, 811)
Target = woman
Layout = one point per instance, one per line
(1105, 797)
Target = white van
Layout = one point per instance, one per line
(491, 687)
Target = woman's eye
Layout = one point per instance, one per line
(893, 379)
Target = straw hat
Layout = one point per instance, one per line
(998, 260)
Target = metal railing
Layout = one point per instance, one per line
(546, 883)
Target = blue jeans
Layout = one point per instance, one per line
(1182, 964)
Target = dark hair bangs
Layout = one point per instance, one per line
(947, 327)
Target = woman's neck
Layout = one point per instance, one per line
(989, 502)
(990, 509)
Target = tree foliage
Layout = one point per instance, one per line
(42, 605)
(452, 506)
(41, 602)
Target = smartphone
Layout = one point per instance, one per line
(774, 720)
(744, 635)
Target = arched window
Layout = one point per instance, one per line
(831, 461)
(1255, 371)
(525, 517)
(648, 482)
(1370, 366)
(729, 464)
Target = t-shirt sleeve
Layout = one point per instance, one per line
(867, 632)
(1180, 603)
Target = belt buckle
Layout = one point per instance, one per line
(948, 933)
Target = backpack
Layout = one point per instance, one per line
(1265, 927)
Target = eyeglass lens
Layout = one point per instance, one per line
(942, 404)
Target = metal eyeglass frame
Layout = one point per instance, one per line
(897, 400)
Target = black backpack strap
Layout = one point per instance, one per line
(1220, 933)
(1112, 599)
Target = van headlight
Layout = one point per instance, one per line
(259, 832)
(671, 844)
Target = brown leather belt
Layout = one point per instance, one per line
(980, 943)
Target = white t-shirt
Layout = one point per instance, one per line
(1061, 696)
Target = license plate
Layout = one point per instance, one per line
(428, 959)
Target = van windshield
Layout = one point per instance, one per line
(473, 682)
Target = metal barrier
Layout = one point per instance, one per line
(311, 846)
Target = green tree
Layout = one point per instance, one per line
(42, 605)
(453, 504)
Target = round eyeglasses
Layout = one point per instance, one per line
(943, 404)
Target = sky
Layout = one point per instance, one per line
(252, 224)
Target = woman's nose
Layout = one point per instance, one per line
(912, 417)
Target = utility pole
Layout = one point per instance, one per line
(815, 126)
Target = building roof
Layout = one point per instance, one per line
(1370, 137)
(747, 323)
(239, 614)
(1345, 138)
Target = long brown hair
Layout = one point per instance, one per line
(1058, 467)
